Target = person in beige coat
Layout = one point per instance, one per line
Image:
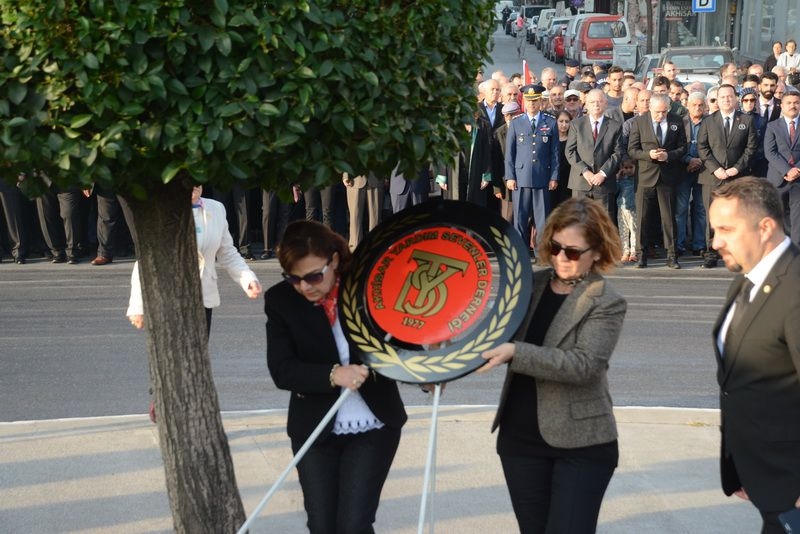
(214, 247)
(558, 437)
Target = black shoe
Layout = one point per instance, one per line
(247, 256)
(72, 260)
(672, 263)
(267, 255)
(642, 263)
(709, 263)
(698, 252)
(61, 258)
(19, 260)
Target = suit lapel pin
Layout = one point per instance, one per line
(742, 127)
(767, 289)
(673, 127)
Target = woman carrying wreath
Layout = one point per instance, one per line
(342, 474)
(558, 437)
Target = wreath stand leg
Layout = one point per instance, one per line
(429, 483)
(296, 460)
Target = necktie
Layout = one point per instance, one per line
(659, 134)
(533, 122)
(727, 126)
(742, 301)
(791, 140)
(766, 112)
(594, 133)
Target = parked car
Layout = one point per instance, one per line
(645, 70)
(686, 78)
(511, 24)
(697, 59)
(544, 24)
(556, 24)
(596, 37)
(569, 34)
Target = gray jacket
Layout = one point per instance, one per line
(574, 404)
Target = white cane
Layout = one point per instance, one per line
(297, 457)
(430, 464)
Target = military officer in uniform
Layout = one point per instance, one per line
(531, 162)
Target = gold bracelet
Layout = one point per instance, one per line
(330, 376)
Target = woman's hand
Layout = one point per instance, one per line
(137, 321)
(350, 376)
(497, 356)
(254, 289)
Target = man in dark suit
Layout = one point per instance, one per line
(492, 107)
(658, 142)
(405, 193)
(783, 154)
(594, 150)
(727, 142)
(757, 348)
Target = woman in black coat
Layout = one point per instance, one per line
(343, 472)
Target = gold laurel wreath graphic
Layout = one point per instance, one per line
(415, 366)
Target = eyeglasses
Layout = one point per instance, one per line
(572, 254)
(748, 100)
(712, 100)
(572, 98)
(311, 279)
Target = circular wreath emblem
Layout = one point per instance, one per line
(432, 288)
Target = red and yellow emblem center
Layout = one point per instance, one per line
(430, 286)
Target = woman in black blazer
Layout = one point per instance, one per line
(343, 473)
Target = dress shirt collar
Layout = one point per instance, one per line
(759, 273)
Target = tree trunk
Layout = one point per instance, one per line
(201, 483)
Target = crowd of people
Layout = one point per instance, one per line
(652, 155)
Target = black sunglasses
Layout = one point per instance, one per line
(748, 100)
(311, 279)
(572, 254)
(572, 98)
(712, 100)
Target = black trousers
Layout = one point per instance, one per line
(556, 495)
(11, 205)
(665, 194)
(237, 198)
(275, 216)
(342, 478)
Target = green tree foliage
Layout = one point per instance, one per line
(129, 94)
(145, 97)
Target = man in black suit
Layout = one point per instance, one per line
(594, 150)
(783, 154)
(658, 142)
(727, 142)
(757, 348)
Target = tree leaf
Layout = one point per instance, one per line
(171, 169)
(80, 120)
(90, 61)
